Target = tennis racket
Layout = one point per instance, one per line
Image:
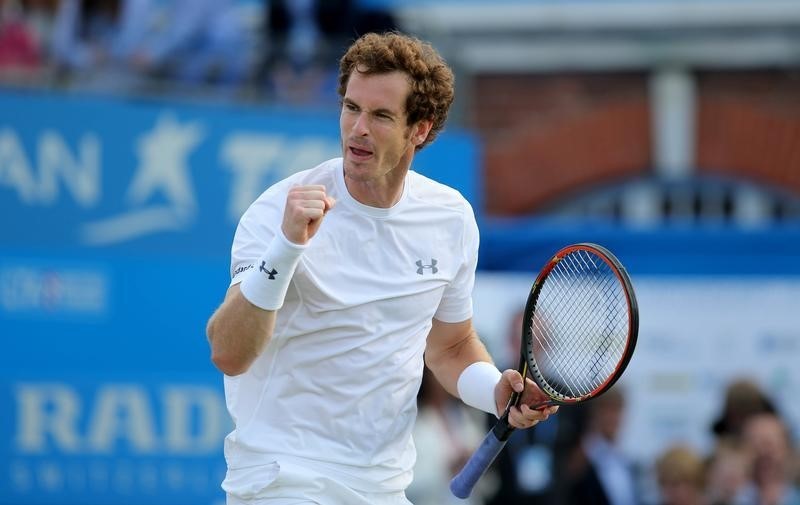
(579, 330)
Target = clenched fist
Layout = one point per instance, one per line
(305, 208)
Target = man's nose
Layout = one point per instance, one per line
(361, 124)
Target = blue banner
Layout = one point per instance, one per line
(106, 388)
(99, 440)
(118, 217)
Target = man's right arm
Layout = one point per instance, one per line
(242, 326)
(238, 331)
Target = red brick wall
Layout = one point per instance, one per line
(749, 126)
(546, 137)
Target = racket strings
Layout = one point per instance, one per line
(594, 301)
(580, 326)
(603, 293)
(594, 297)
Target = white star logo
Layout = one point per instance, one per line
(163, 167)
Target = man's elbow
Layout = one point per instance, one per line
(228, 362)
(230, 365)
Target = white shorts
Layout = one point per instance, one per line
(293, 485)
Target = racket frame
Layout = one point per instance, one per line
(528, 357)
(462, 484)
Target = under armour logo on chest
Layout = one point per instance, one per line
(421, 268)
(271, 273)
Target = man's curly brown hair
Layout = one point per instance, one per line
(432, 81)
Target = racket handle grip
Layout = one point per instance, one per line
(462, 484)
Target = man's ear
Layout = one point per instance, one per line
(421, 131)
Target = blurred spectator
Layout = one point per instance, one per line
(21, 52)
(728, 473)
(84, 32)
(680, 473)
(743, 399)
(119, 44)
(93, 41)
(731, 464)
(599, 473)
(39, 16)
(304, 38)
(203, 41)
(19, 49)
(446, 433)
(767, 439)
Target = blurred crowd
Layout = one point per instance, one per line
(577, 458)
(260, 49)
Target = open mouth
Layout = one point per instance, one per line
(360, 152)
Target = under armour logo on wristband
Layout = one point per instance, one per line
(421, 267)
(271, 273)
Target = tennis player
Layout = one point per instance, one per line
(345, 277)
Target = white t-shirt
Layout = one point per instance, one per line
(335, 389)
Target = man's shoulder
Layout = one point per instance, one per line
(436, 193)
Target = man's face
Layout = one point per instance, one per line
(376, 138)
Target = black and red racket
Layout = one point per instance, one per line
(579, 331)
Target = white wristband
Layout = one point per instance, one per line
(476, 386)
(266, 285)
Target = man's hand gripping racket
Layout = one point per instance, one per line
(579, 331)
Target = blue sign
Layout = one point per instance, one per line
(118, 216)
(95, 441)
(106, 389)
